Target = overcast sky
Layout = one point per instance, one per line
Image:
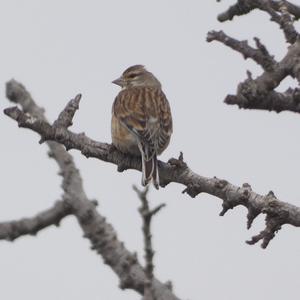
(60, 48)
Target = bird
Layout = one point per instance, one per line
(141, 123)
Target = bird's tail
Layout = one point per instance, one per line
(150, 171)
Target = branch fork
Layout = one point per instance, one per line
(176, 170)
(260, 93)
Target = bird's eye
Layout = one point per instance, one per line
(133, 75)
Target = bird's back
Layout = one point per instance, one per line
(145, 112)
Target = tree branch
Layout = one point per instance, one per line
(147, 214)
(176, 170)
(95, 227)
(291, 8)
(280, 12)
(260, 55)
(243, 7)
(273, 101)
(14, 229)
(259, 93)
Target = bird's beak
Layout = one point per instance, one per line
(118, 81)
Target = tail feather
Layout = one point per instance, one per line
(155, 176)
(150, 171)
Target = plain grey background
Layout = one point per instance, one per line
(60, 48)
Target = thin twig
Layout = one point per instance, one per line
(260, 55)
(147, 214)
(281, 12)
(12, 230)
(259, 93)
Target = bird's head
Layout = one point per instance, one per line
(136, 76)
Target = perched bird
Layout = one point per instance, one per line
(141, 119)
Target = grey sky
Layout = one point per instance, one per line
(60, 48)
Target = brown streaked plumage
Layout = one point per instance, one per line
(141, 119)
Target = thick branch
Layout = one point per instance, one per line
(95, 227)
(175, 170)
(14, 229)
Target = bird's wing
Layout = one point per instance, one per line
(166, 124)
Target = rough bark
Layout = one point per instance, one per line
(147, 214)
(260, 93)
(280, 12)
(260, 55)
(175, 170)
(101, 234)
(14, 229)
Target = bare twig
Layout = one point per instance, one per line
(101, 234)
(147, 214)
(259, 55)
(14, 229)
(283, 19)
(259, 93)
(280, 12)
(272, 101)
(65, 117)
(176, 170)
(291, 8)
